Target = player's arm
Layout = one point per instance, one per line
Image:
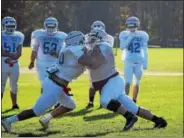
(18, 54)
(125, 40)
(6, 54)
(92, 59)
(145, 51)
(35, 46)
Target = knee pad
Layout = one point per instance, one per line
(26, 114)
(113, 105)
(70, 105)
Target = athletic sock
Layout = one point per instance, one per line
(154, 118)
(48, 117)
(12, 119)
(91, 99)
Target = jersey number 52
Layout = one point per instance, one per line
(49, 46)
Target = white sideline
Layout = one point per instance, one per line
(25, 70)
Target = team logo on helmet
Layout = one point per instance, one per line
(75, 38)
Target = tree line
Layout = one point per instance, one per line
(163, 20)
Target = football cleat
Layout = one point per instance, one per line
(6, 125)
(44, 122)
(160, 123)
(15, 107)
(90, 105)
(130, 123)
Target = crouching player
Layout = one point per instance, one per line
(12, 42)
(105, 78)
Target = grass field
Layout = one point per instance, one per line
(162, 94)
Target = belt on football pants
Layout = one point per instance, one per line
(62, 83)
(98, 85)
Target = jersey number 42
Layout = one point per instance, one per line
(134, 47)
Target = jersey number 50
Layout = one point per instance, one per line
(134, 47)
(49, 46)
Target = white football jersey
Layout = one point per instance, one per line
(11, 42)
(108, 68)
(43, 44)
(69, 68)
(135, 50)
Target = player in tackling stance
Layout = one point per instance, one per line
(134, 45)
(46, 44)
(106, 79)
(110, 40)
(71, 65)
(12, 42)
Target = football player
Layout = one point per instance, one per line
(110, 40)
(134, 43)
(55, 85)
(104, 77)
(11, 46)
(107, 79)
(46, 44)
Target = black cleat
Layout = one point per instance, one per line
(160, 123)
(130, 123)
(15, 107)
(57, 105)
(90, 105)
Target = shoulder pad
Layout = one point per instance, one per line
(63, 35)
(38, 33)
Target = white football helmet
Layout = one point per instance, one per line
(9, 24)
(98, 25)
(132, 23)
(51, 25)
(75, 38)
(96, 36)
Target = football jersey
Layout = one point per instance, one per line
(69, 68)
(108, 68)
(11, 42)
(43, 44)
(135, 49)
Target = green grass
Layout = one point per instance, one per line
(160, 94)
(163, 95)
(160, 59)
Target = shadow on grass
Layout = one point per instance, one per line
(100, 117)
(6, 116)
(98, 134)
(78, 113)
(46, 133)
(6, 111)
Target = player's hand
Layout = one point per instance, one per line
(53, 53)
(31, 65)
(14, 56)
(145, 67)
(8, 60)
